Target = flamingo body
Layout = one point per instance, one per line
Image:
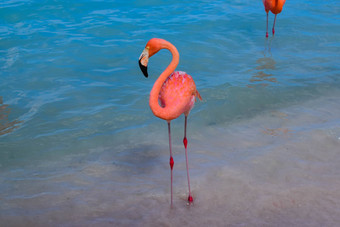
(178, 88)
(275, 6)
(267, 5)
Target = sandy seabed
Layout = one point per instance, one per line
(280, 168)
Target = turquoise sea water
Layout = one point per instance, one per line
(80, 146)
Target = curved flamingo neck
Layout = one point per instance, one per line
(154, 94)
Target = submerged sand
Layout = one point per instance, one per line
(280, 168)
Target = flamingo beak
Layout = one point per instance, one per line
(143, 61)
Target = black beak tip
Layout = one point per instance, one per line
(144, 69)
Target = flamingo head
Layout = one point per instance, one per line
(151, 48)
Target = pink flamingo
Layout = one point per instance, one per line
(275, 6)
(172, 94)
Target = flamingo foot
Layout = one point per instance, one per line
(190, 199)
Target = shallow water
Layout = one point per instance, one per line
(80, 146)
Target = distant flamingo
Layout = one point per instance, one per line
(173, 94)
(275, 6)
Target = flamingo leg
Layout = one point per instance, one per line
(171, 159)
(274, 24)
(267, 27)
(185, 142)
